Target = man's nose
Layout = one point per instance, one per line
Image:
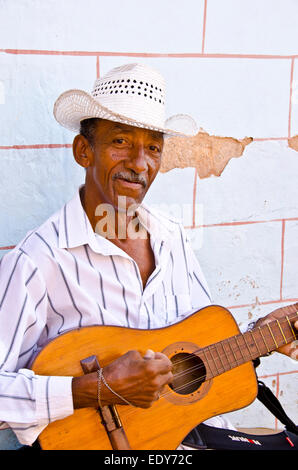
(137, 160)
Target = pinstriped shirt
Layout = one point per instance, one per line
(64, 275)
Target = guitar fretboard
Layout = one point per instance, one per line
(236, 350)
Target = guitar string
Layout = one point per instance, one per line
(191, 382)
(130, 410)
(226, 340)
(202, 366)
(177, 389)
(220, 369)
(218, 372)
(213, 347)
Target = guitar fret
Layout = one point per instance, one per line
(251, 332)
(207, 360)
(220, 367)
(226, 354)
(267, 324)
(236, 360)
(219, 356)
(247, 345)
(268, 350)
(293, 332)
(213, 360)
(239, 348)
(236, 350)
(285, 339)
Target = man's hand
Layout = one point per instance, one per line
(138, 379)
(290, 349)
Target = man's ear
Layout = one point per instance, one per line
(82, 151)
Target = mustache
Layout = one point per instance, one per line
(131, 177)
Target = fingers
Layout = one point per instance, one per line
(278, 314)
(149, 354)
(159, 372)
(158, 363)
(140, 379)
(159, 355)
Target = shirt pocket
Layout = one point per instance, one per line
(177, 306)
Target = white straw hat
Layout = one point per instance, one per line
(132, 94)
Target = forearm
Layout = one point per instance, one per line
(130, 379)
(84, 391)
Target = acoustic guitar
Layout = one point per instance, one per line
(213, 374)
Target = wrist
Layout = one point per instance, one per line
(101, 382)
(87, 388)
(84, 391)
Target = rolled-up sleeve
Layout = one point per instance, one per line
(28, 402)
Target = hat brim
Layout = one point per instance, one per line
(73, 106)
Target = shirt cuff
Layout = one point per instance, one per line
(53, 398)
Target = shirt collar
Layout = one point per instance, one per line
(75, 228)
(160, 227)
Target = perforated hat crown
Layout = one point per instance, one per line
(132, 94)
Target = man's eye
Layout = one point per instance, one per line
(119, 141)
(154, 148)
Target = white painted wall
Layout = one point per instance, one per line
(232, 65)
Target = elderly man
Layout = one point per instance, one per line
(105, 258)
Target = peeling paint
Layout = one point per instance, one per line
(209, 154)
(293, 142)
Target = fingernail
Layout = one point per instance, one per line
(149, 354)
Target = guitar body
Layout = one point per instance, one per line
(168, 421)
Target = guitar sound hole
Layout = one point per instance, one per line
(189, 373)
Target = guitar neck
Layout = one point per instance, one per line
(236, 350)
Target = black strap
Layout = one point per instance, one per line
(269, 400)
(204, 436)
(208, 437)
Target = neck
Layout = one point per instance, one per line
(110, 222)
(237, 350)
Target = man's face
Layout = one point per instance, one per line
(126, 161)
